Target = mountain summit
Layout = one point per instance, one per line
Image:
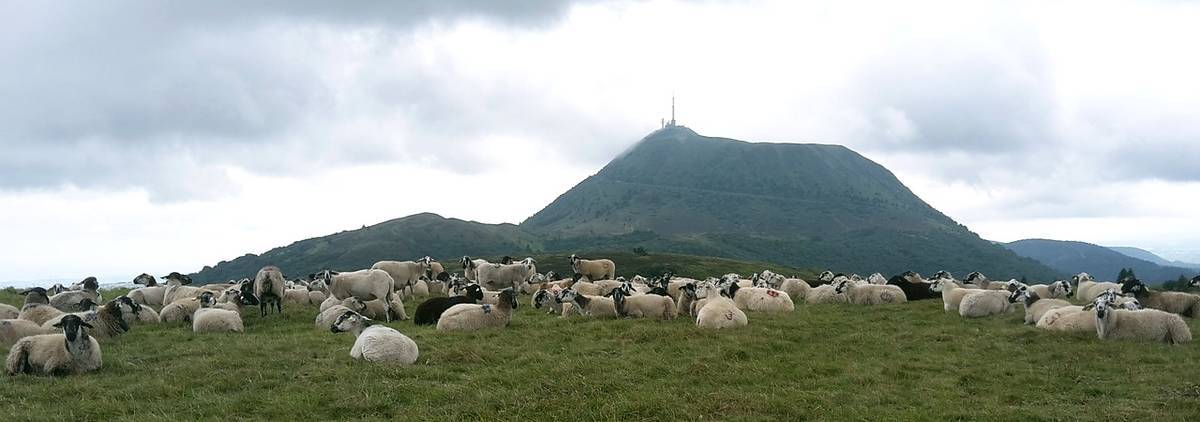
(797, 204)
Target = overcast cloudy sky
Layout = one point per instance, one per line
(160, 136)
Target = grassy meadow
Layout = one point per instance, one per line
(825, 362)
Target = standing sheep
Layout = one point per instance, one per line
(405, 274)
(375, 343)
(1185, 304)
(1146, 325)
(268, 288)
(466, 316)
(598, 269)
(71, 352)
(500, 276)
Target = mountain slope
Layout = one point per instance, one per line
(1146, 255)
(1104, 263)
(796, 204)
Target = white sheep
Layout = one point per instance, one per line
(108, 321)
(69, 301)
(825, 293)
(1055, 290)
(182, 310)
(981, 303)
(1081, 318)
(719, 311)
(178, 288)
(151, 295)
(73, 351)
(268, 289)
(1185, 304)
(859, 293)
(592, 306)
(405, 273)
(367, 285)
(877, 279)
(500, 276)
(329, 315)
(394, 310)
(469, 265)
(217, 320)
(376, 343)
(594, 269)
(9, 312)
(763, 299)
(643, 306)
(952, 293)
(12, 330)
(1087, 289)
(470, 316)
(298, 296)
(1035, 306)
(1145, 325)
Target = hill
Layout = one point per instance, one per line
(1146, 255)
(796, 204)
(1071, 257)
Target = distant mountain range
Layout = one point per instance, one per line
(1146, 255)
(1071, 257)
(799, 205)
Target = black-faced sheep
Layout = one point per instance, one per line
(71, 352)
(466, 316)
(375, 343)
(1058, 289)
(108, 321)
(405, 273)
(429, 311)
(1185, 304)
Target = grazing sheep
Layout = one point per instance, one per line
(268, 288)
(719, 311)
(367, 285)
(182, 310)
(1087, 289)
(73, 351)
(375, 343)
(12, 330)
(1144, 325)
(328, 316)
(151, 295)
(69, 300)
(1055, 290)
(467, 316)
(598, 269)
(980, 303)
(644, 306)
(108, 321)
(405, 274)
(870, 294)
(429, 311)
(589, 305)
(1185, 304)
(914, 287)
(1035, 306)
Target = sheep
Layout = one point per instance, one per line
(420, 289)
(1081, 318)
(151, 295)
(429, 311)
(1145, 325)
(980, 281)
(468, 316)
(592, 306)
(9, 312)
(548, 298)
(440, 276)
(296, 296)
(763, 299)
(378, 309)
(56, 289)
(146, 315)
(178, 288)
(1035, 306)
(470, 265)
(870, 294)
(824, 293)
(952, 293)
(364, 284)
(914, 287)
(1185, 304)
(182, 310)
(37, 306)
(328, 316)
(982, 302)
(217, 320)
(134, 310)
(499, 276)
(12, 330)
(376, 343)
(877, 278)
(1087, 289)
(644, 306)
(73, 351)
(720, 311)
(69, 300)
(598, 269)
(796, 288)
(1055, 290)
(1195, 283)
(687, 296)
(108, 321)
(268, 288)
(405, 274)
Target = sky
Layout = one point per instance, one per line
(157, 136)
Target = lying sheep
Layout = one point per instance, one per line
(952, 293)
(328, 316)
(178, 288)
(12, 330)
(1087, 289)
(870, 294)
(1058, 289)
(1035, 306)
(223, 316)
(39, 313)
(824, 293)
(588, 305)
(72, 352)
(69, 300)
(719, 311)
(644, 306)
(9, 312)
(914, 287)
(1185, 304)
(182, 310)
(598, 269)
(151, 295)
(376, 343)
(296, 296)
(877, 279)
(466, 316)
(980, 303)
(1080, 319)
(107, 321)
(763, 299)
(429, 311)
(548, 299)
(1145, 325)
(366, 285)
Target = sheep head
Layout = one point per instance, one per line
(1195, 282)
(349, 321)
(1081, 277)
(73, 326)
(177, 277)
(826, 277)
(145, 280)
(1019, 294)
(1133, 285)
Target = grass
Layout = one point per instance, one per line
(826, 362)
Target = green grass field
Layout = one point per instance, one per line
(827, 362)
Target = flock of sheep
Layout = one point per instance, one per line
(485, 296)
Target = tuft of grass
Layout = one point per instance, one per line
(899, 362)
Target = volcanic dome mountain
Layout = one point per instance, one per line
(803, 205)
